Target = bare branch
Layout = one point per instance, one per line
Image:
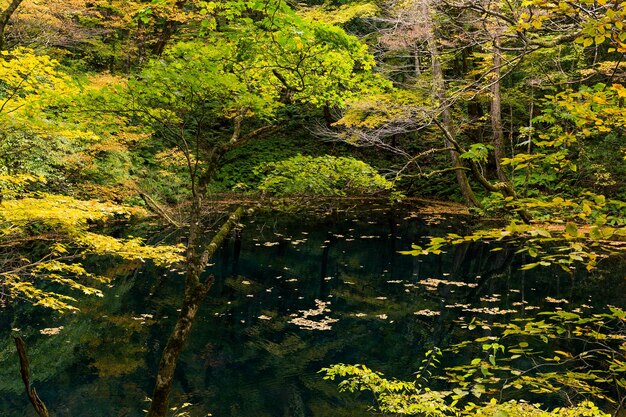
(38, 405)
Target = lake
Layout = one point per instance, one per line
(293, 294)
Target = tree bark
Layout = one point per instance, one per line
(167, 31)
(157, 209)
(197, 259)
(165, 376)
(5, 16)
(195, 293)
(496, 108)
(38, 405)
(503, 187)
(439, 93)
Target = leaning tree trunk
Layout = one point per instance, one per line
(195, 293)
(165, 376)
(38, 405)
(5, 16)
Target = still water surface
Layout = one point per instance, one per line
(292, 295)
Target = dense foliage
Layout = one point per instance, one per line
(110, 110)
(320, 176)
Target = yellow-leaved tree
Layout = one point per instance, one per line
(44, 234)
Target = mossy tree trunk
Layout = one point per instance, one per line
(196, 289)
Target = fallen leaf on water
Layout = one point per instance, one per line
(51, 330)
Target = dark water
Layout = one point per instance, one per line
(251, 353)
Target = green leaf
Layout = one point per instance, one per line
(571, 229)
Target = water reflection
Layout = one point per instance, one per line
(253, 350)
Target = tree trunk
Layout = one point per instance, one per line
(38, 405)
(496, 110)
(439, 93)
(165, 377)
(195, 293)
(4, 19)
(167, 31)
(503, 187)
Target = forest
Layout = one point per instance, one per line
(315, 208)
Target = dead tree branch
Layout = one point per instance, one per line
(37, 403)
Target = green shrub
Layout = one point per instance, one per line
(325, 175)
